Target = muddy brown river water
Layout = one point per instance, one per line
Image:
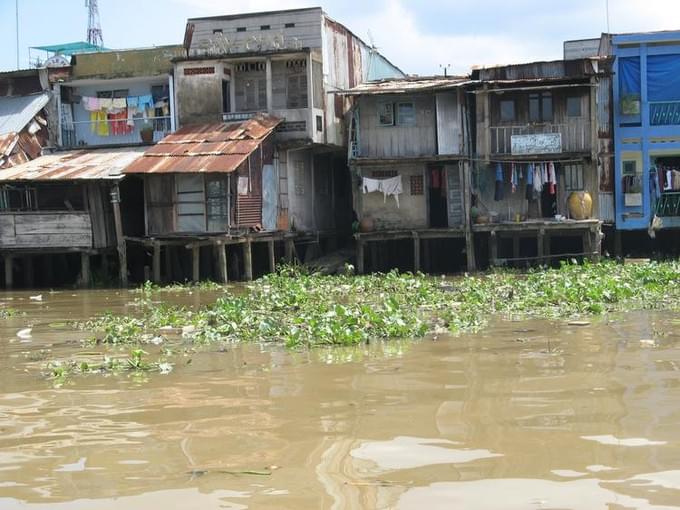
(524, 415)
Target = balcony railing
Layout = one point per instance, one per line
(294, 120)
(575, 135)
(115, 132)
(668, 204)
(664, 114)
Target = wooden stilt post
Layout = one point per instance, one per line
(167, 263)
(290, 250)
(373, 252)
(540, 240)
(547, 252)
(120, 239)
(597, 242)
(272, 256)
(493, 248)
(84, 269)
(248, 259)
(515, 247)
(195, 263)
(9, 274)
(222, 262)
(29, 271)
(427, 262)
(588, 245)
(48, 264)
(360, 256)
(416, 252)
(156, 262)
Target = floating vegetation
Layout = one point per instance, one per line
(303, 310)
(6, 313)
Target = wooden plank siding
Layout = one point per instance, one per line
(45, 230)
(378, 141)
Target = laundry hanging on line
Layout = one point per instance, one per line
(388, 187)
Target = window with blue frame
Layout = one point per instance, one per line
(630, 88)
(663, 89)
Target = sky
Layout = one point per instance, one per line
(418, 36)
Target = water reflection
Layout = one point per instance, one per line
(522, 415)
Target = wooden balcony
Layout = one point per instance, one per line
(575, 136)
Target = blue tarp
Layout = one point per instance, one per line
(663, 78)
(629, 71)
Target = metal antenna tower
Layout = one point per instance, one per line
(94, 28)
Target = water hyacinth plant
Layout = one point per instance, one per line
(300, 309)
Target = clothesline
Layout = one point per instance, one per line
(94, 104)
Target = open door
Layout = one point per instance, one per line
(437, 184)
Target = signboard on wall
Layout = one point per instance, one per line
(546, 143)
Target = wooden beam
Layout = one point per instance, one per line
(29, 271)
(416, 253)
(167, 264)
(156, 262)
(84, 269)
(493, 248)
(360, 256)
(222, 270)
(248, 260)
(195, 263)
(9, 272)
(120, 239)
(290, 250)
(272, 256)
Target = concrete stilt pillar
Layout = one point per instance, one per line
(248, 260)
(9, 272)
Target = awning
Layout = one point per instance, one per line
(72, 48)
(407, 85)
(220, 147)
(91, 164)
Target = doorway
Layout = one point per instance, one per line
(437, 197)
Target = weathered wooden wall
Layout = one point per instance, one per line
(160, 203)
(45, 230)
(378, 141)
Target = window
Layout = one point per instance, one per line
(386, 114)
(17, 198)
(264, 27)
(217, 203)
(406, 114)
(226, 96)
(290, 25)
(300, 175)
(507, 107)
(296, 93)
(417, 187)
(629, 167)
(573, 106)
(319, 123)
(383, 174)
(540, 107)
(240, 29)
(113, 93)
(217, 31)
(573, 176)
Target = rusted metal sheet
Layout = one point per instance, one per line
(559, 69)
(408, 85)
(74, 165)
(221, 147)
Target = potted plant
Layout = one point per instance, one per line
(146, 133)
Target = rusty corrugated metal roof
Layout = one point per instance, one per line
(407, 85)
(220, 147)
(74, 165)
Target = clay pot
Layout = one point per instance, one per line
(366, 225)
(580, 205)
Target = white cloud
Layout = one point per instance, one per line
(414, 50)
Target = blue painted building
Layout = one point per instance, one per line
(647, 129)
